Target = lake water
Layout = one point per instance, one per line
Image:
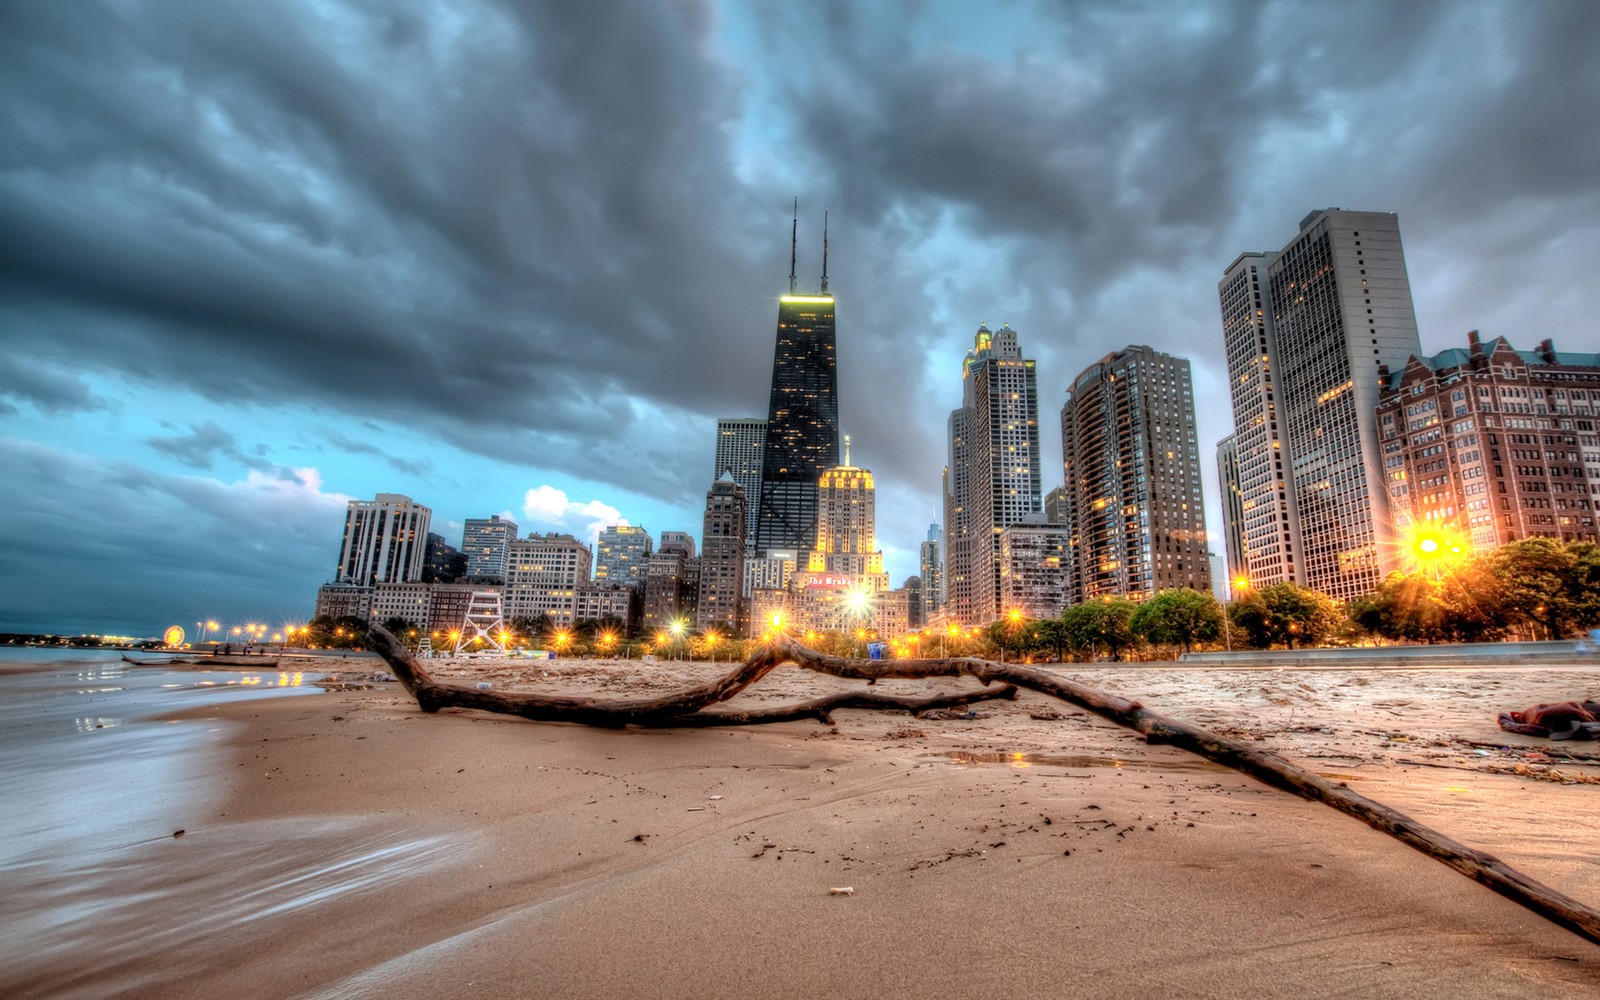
(96, 785)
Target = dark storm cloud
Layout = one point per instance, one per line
(520, 221)
(415, 468)
(1115, 162)
(551, 232)
(47, 389)
(200, 447)
(153, 545)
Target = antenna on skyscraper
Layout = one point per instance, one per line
(825, 255)
(794, 233)
(846, 437)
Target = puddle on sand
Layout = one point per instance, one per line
(1075, 761)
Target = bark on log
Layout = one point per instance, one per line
(684, 709)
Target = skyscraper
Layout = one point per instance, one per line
(484, 540)
(1339, 303)
(384, 541)
(993, 477)
(932, 566)
(802, 418)
(741, 447)
(722, 557)
(847, 518)
(1132, 476)
(1269, 522)
(840, 583)
(1233, 519)
(623, 555)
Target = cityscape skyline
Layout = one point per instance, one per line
(230, 311)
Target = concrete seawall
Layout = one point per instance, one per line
(1478, 654)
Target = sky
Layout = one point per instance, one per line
(257, 260)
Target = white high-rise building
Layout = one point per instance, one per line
(1305, 347)
(722, 558)
(384, 541)
(484, 541)
(741, 446)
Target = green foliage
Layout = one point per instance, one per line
(531, 632)
(1286, 614)
(1094, 626)
(1179, 617)
(1550, 588)
(1012, 637)
(344, 632)
(1052, 634)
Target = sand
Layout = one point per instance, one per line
(358, 848)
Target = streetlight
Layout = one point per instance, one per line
(677, 627)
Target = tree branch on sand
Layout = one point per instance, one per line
(686, 709)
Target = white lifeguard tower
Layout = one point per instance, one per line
(485, 620)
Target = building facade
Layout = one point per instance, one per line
(993, 477)
(385, 539)
(1269, 522)
(1339, 302)
(543, 573)
(599, 601)
(931, 562)
(344, 600)
(802, 437)
(401, 600)
(722, 556)
(622, 555)
(1035, 567)
(1233, 519)
(1131, 468)
(1490, 445)
(741, 452)
(485, 541)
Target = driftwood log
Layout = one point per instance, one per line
(686, 709)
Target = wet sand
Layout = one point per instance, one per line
(359, 848)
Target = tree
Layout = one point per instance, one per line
(535, 631)
(1286, 614)
(1012, 635)
(1101, 624)
(404, 629)
(1543, 584)
(1052, 634)
(1178, 617)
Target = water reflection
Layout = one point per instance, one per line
(139, 914)
(1025, 760)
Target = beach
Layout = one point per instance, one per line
(348, 845)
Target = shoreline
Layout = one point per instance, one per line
(539, 859)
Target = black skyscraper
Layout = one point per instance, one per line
(803, 418)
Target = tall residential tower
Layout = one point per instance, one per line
(992, 480)
(1132, 469)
